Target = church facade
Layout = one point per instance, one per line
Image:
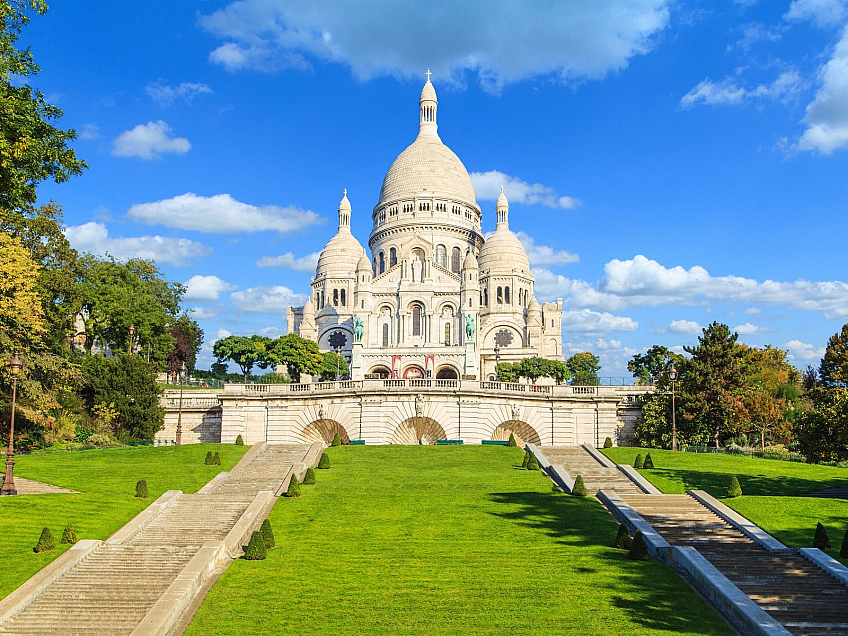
(436, 299)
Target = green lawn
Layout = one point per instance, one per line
(769, 487)
(445, 540)
(106, 479)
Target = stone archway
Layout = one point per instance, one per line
(524, 433)
(447, 373)
(323, 432)
(381, 371)
(418, 430)
(413, 372)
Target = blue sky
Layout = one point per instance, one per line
(668, 163)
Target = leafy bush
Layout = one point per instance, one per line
(821, 540)
(337, 440)
(579, 489)
(324, 462)
(100, 439)
(526, 459)
(649, 463)
(511, 441)
(209, 459)
(267, 534)
(532, 462)
(141, 489)
(608, 442)
(239, 440)
(639, 463)
(69, 535)
(216, 459)
(733, 488)
(622, 539)
(843, 551)
(638, 549)
(309, 477)
(82, 435)
(45, 542)
(255, 548)
(294, 487)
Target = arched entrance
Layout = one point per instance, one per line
(523, 432)
(413, 373)
(418, 430)
(380, 371)
(323, 431)
(447, 373)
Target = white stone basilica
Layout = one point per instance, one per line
(436, 299)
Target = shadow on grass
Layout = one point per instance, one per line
(652, 594)
(716, 483)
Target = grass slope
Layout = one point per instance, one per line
(769, 486)
(445, 540)
(106, 479)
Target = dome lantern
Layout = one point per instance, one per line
(344, 213)
(427, 106)
(503, 209)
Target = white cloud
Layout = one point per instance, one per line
(586, 39)
(822, 13)
(149, 141)
(165, 95)
(487, 187)
(753, 311)
(205, 287)
(688, 327)
(221, 214)
(827, 115)
(206, 313)
(93, 238)
(756, 32)
(266, 299)
(544, 254)
(613, 355)
(749, 329)
(304, 264)
(595, 323)
(89, 132)
(802, 351)
(728, 92)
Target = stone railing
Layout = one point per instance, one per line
(191, 402)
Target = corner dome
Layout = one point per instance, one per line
(341, 255)
(503, 253)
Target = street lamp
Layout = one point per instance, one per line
(15, 366)
(338, 361)
(131, 332)
(497, 360)
(672, 376)
(181, 371)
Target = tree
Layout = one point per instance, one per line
(822, 432)
(188, 338)
(507, 372)
(584, 368)
(533, 368)
(652, 366)
(238, 349)
(298, 354)
(833, 371)
(762, 410)
(329, 368)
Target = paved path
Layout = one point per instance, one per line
(836, 492)
(112, 589)
(578, 461)
(30, 487)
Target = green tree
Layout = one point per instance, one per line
(298, 354)
(584, 368)
(238, 349)
(188, 338)
(534, 368)
(833, 371)
(653, 365)
(328, 367)
(822, 432)
(507, 372)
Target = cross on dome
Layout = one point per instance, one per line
(428, 74)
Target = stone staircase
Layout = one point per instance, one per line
(596, 476)
(264, 471)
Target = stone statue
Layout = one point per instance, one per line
(469, 326)
(321, 412)
(419, 405)
(516, 412)
(416, 270)
(358, 329)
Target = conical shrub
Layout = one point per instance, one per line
(324, 462)
(216, 459)
(579, 489)
(45, 542)
(733, 488)
(532, 462)
(638, 549)
(649, 463)
(294, 487)
(209, 459)
(639, 463)
(608, 442)
(309, 477)
(141, 489)
(843, 551)
(267, 534)
(255, 548)
(622, 539)
(821, 540)
(239, 440)
(69, 535)
(337, 440)
(526, 459)
(511, 441)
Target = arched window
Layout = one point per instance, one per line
(345, 303)
(500, 296)
(447, 334)
(392, 257)
(335, 298)
(441, 255)
(456, 253)
(386, 334)
(382, 262)
(506, 295)
(485, 297)
(416, 320)
(521, 297)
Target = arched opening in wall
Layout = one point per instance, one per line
(416, 320)
(447, 373)
(344, 299)
(456, 254)
(506, 295)
(524, 433)
(485, 297)
(447, 334)
(392, 257)
(500, 296)
(418, 430)
(381, 371)
(382, 262)
(335, 298)
(441, 255)
(386, 334)
(413, 373)
(323, 431)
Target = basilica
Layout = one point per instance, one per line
(436, 299)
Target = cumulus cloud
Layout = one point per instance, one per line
(749, 329)
(613, 355)
(206, 313)
(221, 214)
(164, 95)
(89, 132)
(595, 323)
(487, 187)
(822, 13)
(799, 351)
(544, 254)
(205, 287)
(585, 39)
(306, 264)
(93, 238)
(728, 92)
(149, 141)
(266, 299)
(688, 327)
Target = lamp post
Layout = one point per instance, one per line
(338, 361)
(131, 332)
(180, 411)
(672, 376)
(15, 366)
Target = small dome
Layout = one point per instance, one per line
(502, 200)
(344, 204)
(428, 93)
(503, 252)
(470, 261)
(534, 304)
(364, 264)
(340, 256)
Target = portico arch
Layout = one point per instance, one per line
(323, 431)
(413, 372)
(447, 372)
(418, 430)
(523, 432)
(381, 370)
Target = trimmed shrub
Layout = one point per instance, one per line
(579, 489)
(69, 535)
(255, 548)
(337, 440)
(608, 442)
(294, 487)
(622, 539)
(638, 549)
(649, 463)
(324, 462)
(267, 534)
(733, 488)
(526, 459)
(309, 477)
(141, 489)
(511, 441)
(843, 551)
(821, 540)
(45, 542)
(239, 440)
(216, 459)
(639, 463)
(532, 462)
(209, 459)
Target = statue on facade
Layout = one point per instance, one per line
(516, 412)
(358, 329)
(321, 412)
(469, 326)
(419, 405)
(416, 270)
